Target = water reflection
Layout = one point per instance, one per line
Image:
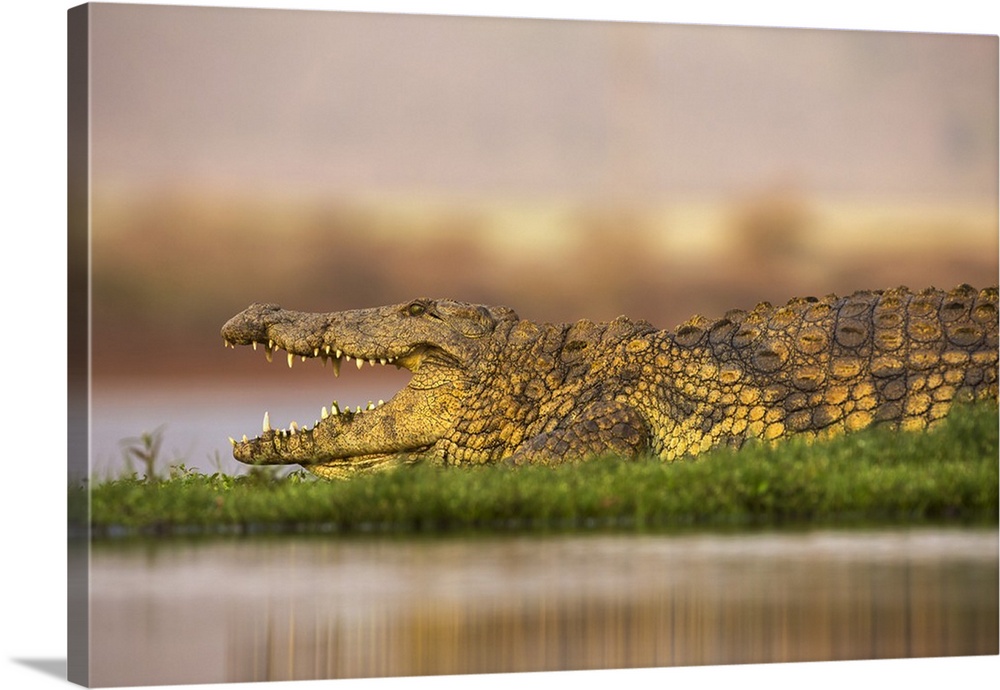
(310, 608)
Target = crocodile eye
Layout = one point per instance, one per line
(416, 309)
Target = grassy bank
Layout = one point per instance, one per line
(873, 477)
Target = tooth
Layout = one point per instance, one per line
(371, 362)
(338, 353)
(336, 367)
(293, 427)
(359, 362)
(323, 413)
(303, 358)
(255, 346)
(270, 344)
(268, 354)
(226, 343)
(380, 403)
(244, 438)
(327, 349)
(347, 357)
(371, 405)
(290, 358)
(315, 424)
(232, 440)
(383, 361)
(315, 352)
(334, 408)
(358, 410)
(266, 425)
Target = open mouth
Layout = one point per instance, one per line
(298, 443)
(329, 357)
(409, 425)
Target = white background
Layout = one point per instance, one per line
(33, 318)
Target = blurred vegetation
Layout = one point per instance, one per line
(169, 270)
(874, 476)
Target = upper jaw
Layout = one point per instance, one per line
(328, 353)
(410, 359)
(308, 335)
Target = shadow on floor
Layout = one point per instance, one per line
(50, 667)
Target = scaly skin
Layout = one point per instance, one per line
(489, 387)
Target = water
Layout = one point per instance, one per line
(230, 610)
(319, 607)
(197, 421)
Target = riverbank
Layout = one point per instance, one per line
(877, 476)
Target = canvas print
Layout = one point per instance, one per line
(417, 345)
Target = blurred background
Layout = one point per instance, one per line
(567, 169)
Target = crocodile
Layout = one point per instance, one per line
(487, 386)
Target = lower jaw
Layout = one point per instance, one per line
(346, 468)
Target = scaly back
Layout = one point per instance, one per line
(822, 366)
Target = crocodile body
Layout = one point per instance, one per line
(488, 386)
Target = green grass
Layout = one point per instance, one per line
(874, 477)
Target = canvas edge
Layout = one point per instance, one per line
(78, 342)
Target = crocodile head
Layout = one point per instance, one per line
(440, 341)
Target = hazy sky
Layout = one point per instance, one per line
(342, 104)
